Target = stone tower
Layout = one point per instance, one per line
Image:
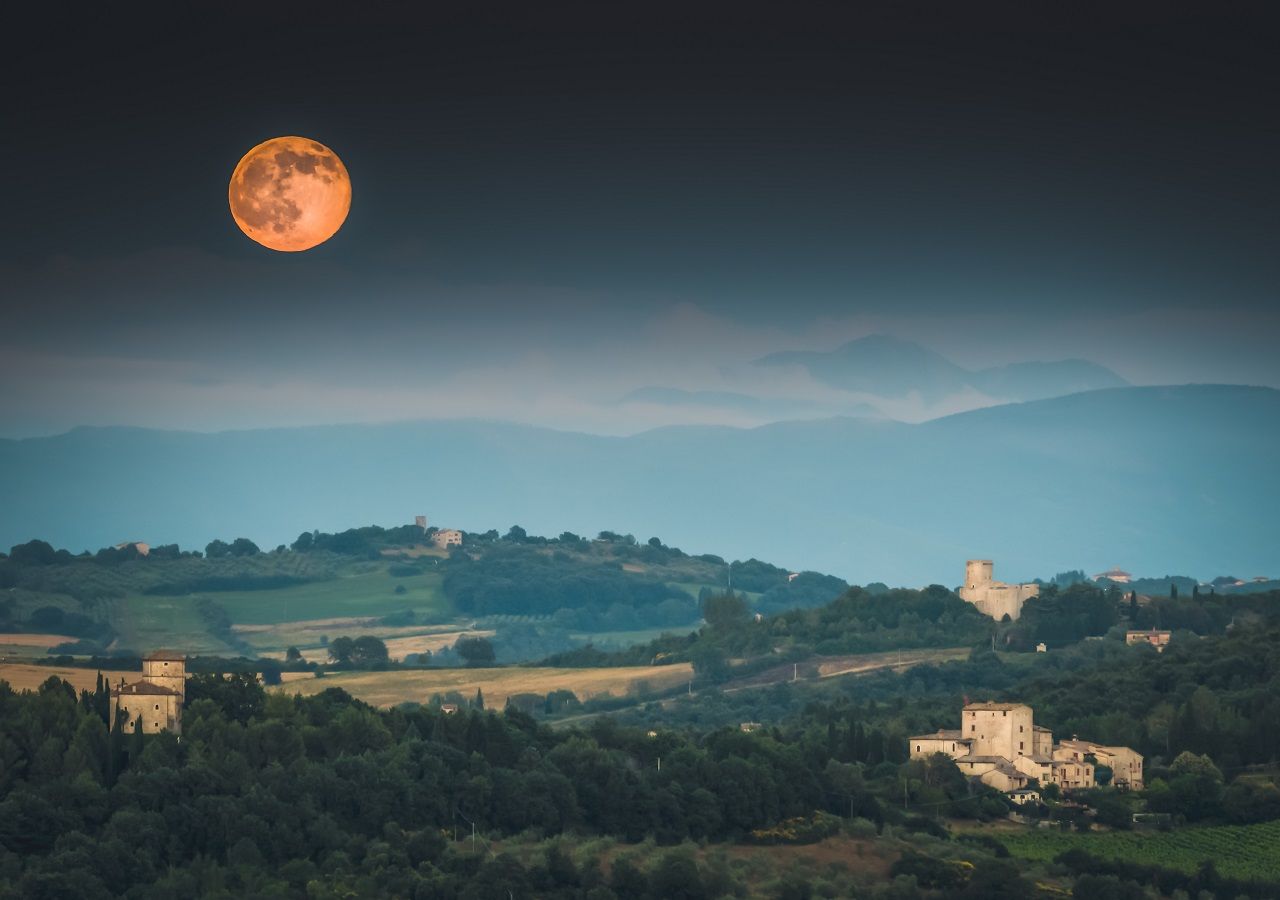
(978, 573)
(995, 598)
(167, 669)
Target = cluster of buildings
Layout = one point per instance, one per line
(443, 538)
(157, 698)
(1000, 745)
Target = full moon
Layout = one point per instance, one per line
(290, 194)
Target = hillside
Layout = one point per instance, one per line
(531, 595)
(1143, 477)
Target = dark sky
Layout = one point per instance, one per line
(1070, 182)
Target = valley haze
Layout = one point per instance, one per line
(1156, 479)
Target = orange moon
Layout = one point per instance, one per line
(290, 194)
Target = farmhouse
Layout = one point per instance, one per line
(1000, 745)
(157, 698)
(448, 537)
(1154, 637)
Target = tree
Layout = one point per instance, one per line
(368, 651)
(477, 651)
(217, 549)
(304, 542)
(340, 650)
(710, 662)
(270, 671)
(516, 535)
(724, 611)
(478, 702)
(34, 553)
(292, 655)
(244, 547)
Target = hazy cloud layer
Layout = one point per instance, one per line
(185, 339)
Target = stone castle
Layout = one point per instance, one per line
(1000, 745)
(157, 698)
(995, 598)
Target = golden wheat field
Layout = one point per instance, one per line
(28, 678)
(417, 685)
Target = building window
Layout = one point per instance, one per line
(1019, 729)
(917, 748)
(157, 706)
(1019, 745)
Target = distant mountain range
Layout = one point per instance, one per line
(746, 404)
(1152, 479)
(885, 366)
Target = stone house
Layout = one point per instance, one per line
(157, 698)
(1000, 745)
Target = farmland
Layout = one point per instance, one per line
(28, 678)
(368, 593)
(1238, 851)
(417, 685)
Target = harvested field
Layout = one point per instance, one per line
(34, 640)
(274, 640)
(28, 678)
(417, 685)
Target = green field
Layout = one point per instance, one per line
(144, 621)
(1237, 851)
(150, 622)
(363, 594)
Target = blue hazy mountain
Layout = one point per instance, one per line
(886, 366)
(745, 404)
(1152, 479)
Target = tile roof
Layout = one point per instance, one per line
(996, 706)
(166, 655)
(143, 687)
(942, 736)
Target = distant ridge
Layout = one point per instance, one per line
(886, 366)
(1151, 478)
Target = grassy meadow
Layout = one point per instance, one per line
(369, 594)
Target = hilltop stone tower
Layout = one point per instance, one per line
(156, 699)
(995, 598)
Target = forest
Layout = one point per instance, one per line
(275, 795)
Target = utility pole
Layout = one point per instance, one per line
(795, 671)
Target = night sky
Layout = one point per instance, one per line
(553, 208)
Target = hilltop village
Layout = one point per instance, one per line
(999, 745)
